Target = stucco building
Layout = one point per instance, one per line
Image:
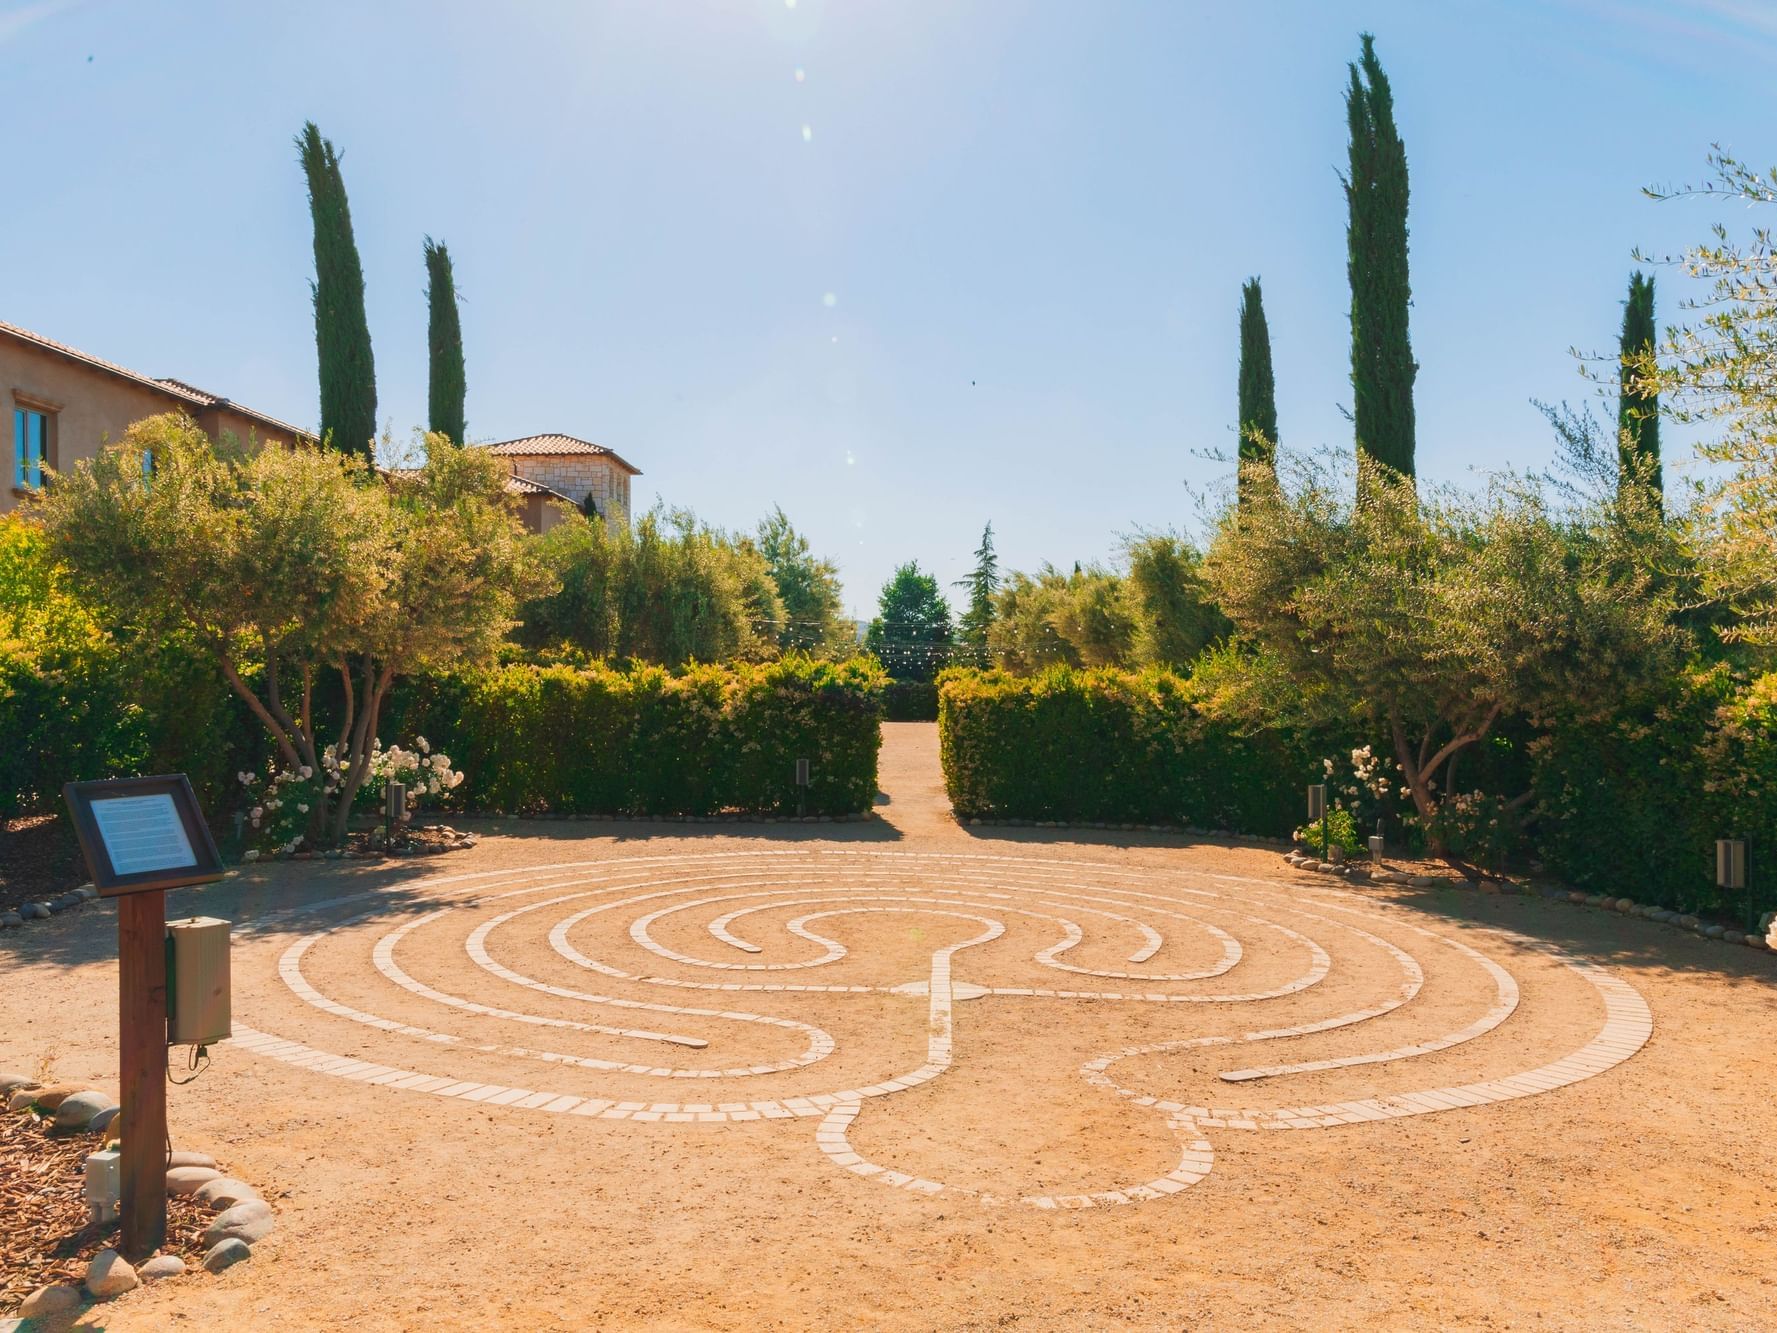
(547, 469)
(62, 404)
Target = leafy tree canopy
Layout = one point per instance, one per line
(666, 589)
(284, 562)
(807, 585)
(1434, 618)
(911, 633)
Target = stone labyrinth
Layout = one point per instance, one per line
(1040, 1032)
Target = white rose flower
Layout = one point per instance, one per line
(258, 813)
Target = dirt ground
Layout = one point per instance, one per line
(901, 1075)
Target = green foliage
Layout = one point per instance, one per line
(807, 586)
(342, 330)
(1719, 369)
(666, 590)
(288, 562)
(1174, 613)
(594, 740)
(1116, 747)
(910, 701)
(983, 582)
(1382, 365)
(447, 384)
(1078, 619)
(1429, 621)
(66, 711)
(1340, 830)
(911, 633)
(1256, 420)
(1638, 402)
(78, 701)
(1636, 799)
(1159, 613)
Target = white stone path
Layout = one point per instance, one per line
(732, 893)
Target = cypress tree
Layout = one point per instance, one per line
(342, 332)
(1258, 391)
(1638, 403)
(982, 583)
(444, 339)
(1382, 365)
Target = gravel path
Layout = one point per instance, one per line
(906, 1075)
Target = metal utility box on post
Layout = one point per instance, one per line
(198, 1011)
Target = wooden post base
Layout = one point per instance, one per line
(142, 1052)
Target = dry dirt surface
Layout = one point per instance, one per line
(910, 1075)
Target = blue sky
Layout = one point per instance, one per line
(902, 267)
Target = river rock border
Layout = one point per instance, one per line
(46, 908)
(242, 1218)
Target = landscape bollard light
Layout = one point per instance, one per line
(1730, 870)
(802, 788)
(103, 1185)
(1376, 844)
(394, 807)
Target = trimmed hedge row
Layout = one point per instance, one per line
(1633, 804)
(910, 701)
(1628, 805)
(1112, 746)
(594, 740)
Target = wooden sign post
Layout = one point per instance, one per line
(141, 837)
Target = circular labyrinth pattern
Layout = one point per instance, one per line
(847, 987)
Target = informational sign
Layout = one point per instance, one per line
(143, 833)
(140, 834)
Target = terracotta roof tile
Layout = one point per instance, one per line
(547, 446)
(517, 485)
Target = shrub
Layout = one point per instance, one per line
(910, 701)
(1340, 830)
(1632, 804)
(595, 740)
(66, 711)
(1113, 746)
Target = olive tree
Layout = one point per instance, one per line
(1719, 368)
(284, 563)
(1431, 618)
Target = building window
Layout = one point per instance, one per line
(147, 466)
(30, 447)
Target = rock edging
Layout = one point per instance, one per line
(1764, 938)
(242, 1219)
(43, 909)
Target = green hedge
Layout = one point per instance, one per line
(1115, 747)
(1633, 804)
(595, 740)
(910, 701)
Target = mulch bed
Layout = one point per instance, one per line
(39, 860)
(46, 1236)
